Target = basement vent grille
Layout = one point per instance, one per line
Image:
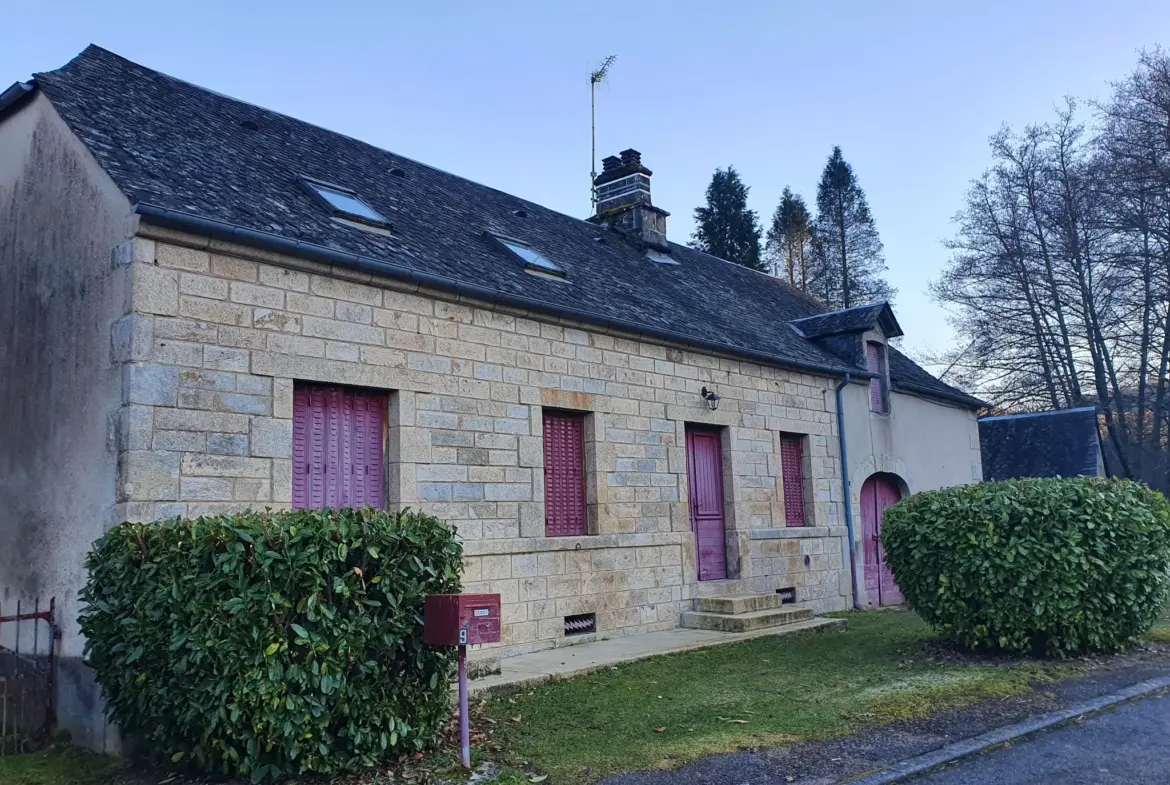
(581, 624)
(787, 596)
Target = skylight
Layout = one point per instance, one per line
(532, 258)
(347, 203)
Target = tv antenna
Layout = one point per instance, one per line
(596, 77)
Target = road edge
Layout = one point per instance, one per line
(922, 764)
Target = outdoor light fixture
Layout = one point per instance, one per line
(711, 397)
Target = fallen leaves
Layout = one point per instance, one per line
(660, 730)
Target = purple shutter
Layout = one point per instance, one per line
(792, 470)
(337, 447)
(564, 474)
(874, 362)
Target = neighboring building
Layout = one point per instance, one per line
(1064, 443)
(210, 306)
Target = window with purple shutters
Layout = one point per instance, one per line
(875, 362)
(792, 471)
(564, 474)
(338, 448)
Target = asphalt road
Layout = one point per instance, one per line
(1130, 744)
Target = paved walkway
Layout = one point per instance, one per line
(1126, 745)
(541, 666)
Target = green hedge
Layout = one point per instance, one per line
(268, 643)
(1051, 567)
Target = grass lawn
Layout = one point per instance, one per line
(1161, 630)
(662, 712)
(762, 693)
(57, 765)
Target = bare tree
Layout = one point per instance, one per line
(1059, 279)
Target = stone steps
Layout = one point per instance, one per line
(737, 603)
(742, 613)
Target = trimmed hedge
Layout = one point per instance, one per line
(270, 643)
(1051, 567)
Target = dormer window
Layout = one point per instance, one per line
(879, 385)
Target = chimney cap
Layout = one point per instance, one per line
(615, 167)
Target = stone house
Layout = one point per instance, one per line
(209, 306)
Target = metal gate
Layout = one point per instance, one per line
(28, 669)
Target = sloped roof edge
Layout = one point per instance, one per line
(175, 219)
(857, 318)
(1079, 409)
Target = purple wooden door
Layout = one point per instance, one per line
(705, 475)
(337, 447)
(878, 494)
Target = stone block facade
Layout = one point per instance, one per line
(216, 336)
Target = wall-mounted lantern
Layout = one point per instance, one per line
(711, 397)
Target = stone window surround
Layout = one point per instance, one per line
(594, 479)
(594, 432)
(806, 465)
(878, 337)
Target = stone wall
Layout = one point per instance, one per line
(61, 219)
(216, 335)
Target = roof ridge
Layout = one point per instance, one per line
(805, 295)
(874, 304)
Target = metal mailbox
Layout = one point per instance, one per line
(461, 619)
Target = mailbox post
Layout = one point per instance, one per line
(462, 620)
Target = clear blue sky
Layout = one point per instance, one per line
(497, 91)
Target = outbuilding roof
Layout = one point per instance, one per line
(1064, 443)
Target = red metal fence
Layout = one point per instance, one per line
(28, 669)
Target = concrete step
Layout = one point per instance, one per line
(744, 622)
(737, 603)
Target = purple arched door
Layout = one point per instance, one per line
(879, 493)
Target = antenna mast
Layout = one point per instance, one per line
(596, 77)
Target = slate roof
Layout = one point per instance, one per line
(909, 377)
(1062, 443)
(181, 151)
(857, 319)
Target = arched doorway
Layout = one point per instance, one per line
(880, 492)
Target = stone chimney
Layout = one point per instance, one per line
(623, 201)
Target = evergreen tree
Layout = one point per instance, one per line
(726, 227)
(847, 263)
(789, 246)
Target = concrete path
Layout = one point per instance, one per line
(541, 666)
(1127, 745)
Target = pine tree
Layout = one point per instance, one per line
(847, 263)
(726, 227)
(789, 246)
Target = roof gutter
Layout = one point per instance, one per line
(176, 219)
(14, 95)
